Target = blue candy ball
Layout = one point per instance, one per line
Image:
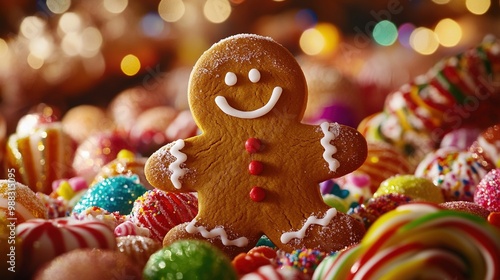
(112, 194)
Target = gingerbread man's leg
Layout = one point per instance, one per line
(326, 229)
(222, 236)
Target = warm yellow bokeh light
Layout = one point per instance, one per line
(321, 39)
(91, 41)
(171, 10)
(32, 26)
(424, 41)
(70, 22)
(58, 6)
(130, 65)
(34, 61)
(448, 32)
(478, 7)
(4, 48)
(441, 2)
(217, 11)
(115, 6)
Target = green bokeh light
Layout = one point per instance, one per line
(385, 33)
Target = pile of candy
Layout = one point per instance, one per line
(428, 193)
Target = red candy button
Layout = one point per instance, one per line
(253, 145)
(255, 167)
(257, 194)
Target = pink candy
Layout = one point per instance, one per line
(487, 193)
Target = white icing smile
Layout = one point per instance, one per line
(254, 76)
(226, 108)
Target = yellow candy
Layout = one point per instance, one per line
(415, 187)
(126, 155)
(65, 190)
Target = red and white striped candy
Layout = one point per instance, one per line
(270, 272)
(129, 228)
(160, 211)
(43, 240)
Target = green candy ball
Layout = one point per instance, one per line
(417, 188)
(189, 259)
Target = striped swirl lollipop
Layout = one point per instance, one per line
(417, 241)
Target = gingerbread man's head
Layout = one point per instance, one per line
(247, 77)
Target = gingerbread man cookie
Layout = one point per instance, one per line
(255, 166)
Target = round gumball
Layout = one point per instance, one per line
(19, 202)
(417, 188)
(487, 192)
(456, 172)
(43, 240)
(89, 264)
(160, 211)
(82, 121)
(96, 151)
(189, 259)
(112, 194)
(138, 248)
(39, 155)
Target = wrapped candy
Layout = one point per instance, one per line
(458, 90)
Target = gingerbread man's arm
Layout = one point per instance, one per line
(338, 150)
(167, 169)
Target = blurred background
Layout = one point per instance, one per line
(65, 53)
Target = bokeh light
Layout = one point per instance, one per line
(130, 65)
(478, 7)
(91, 41)
(404, 33)
(70, 22)
(441, 2)
(4, 48)
(32, 26)
(71, 44)
(324, 38)
(217, 11)
(448, 32)
(58, 6)
(41, 47)
(385, 33)
(171, 10)
(115, 6)
(34, 61)
(424, 41)
(152, 25)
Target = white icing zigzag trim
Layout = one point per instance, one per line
(239, 242)
(228, 110)
(287, 236)
(330, 150)
(175, 167)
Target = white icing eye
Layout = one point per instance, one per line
(230, 79)
(254, 75)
